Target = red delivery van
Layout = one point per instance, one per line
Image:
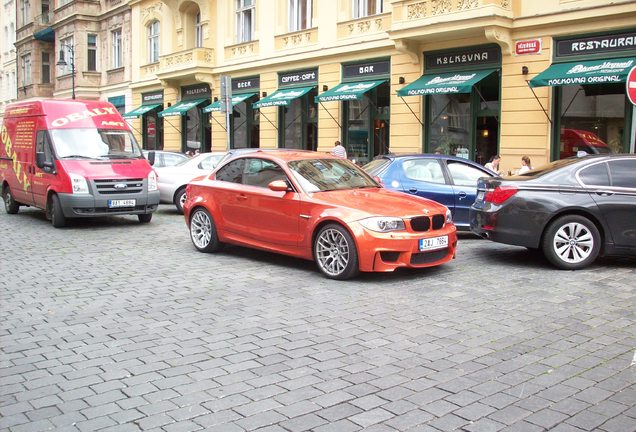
(574, 141)
(73, 159)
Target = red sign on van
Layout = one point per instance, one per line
(531, 46)
(630, 85)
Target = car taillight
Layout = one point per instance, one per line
(500, 194)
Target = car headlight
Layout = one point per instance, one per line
(152, 181)
(383, 224)
(78, 184)
(449, 216)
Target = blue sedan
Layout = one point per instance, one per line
(449, 180)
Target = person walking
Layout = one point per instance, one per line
(339, 150)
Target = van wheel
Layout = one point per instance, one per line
(179, 199)
(11, 206)
(57, 215)
(145, 218)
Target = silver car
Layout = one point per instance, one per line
(173, 180)
(165, 158)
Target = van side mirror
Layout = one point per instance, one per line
(40, 162)
(151, 157)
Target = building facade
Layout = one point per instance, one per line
(472, 78)
(8, 78)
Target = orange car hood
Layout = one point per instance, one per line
(365, 202)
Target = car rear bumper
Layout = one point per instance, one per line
(85, 205)
(504, 227)
(384, 252)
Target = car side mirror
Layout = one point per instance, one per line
(151, 157)
(279, 186)
(40, 162)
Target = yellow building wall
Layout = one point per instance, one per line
(406, 113)
(328, 129)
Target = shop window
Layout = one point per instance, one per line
(299, 123)
(245, 125)
(299, 15)
(153, 30)
(450, 123)
(244, 20)
(592, 119)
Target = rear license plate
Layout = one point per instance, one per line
(121, 203)
(433, 243)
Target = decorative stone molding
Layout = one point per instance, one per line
(152, 9)
(505, 4)
(297, 40)
(409, 49)
(440, 7)
(247, 49)
(467, 4)
(368, 25)
(416, 11)
(149, 69)
(502, 37)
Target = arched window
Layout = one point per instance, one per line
(198, 31)
(153, 42)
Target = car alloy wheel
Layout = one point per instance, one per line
(203, 231)
(335, 252)
(572, 242)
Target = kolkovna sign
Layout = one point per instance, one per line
(630, 85)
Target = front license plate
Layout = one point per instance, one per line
(121, 203)
(433, 243)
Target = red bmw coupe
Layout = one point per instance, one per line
(317, 207)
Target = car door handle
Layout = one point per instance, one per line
(413, 190)
(461, 195)
(241, 197)
(604, 193)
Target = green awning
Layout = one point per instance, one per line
(181, 108)
(445, 83)
(216, 106)
(139, 111)
(348, 91)
(585, 72)
(282, 97)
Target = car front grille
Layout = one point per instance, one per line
(426, 223)
(118, 186)
(428, 257)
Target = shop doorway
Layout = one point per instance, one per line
(152, 131)
(299, 123)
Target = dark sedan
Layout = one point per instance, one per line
(449, 180)
(573, 209)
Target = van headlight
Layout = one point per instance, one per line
(78, 184)
(383, 224)
(152, 181)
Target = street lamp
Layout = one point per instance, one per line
(62, 62)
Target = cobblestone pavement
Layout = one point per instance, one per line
(116, 326)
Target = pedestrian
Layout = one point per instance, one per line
(339, 150)
(525, 164)
(493, 164)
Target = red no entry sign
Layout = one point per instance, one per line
(631, 85)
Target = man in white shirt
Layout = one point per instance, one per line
(339, 150)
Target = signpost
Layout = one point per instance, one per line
(630, 85)
(226, 105)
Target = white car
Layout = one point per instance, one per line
(165, 158)
(172, 180)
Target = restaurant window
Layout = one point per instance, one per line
(363, 8)
(366, 124)
(299, 15)
(153, 41)
(46, 68)
(91, 54)
(299, 122)
(244, 20)
(116, 47)
(592, 119)
(245, 124)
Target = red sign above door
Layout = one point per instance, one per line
(531, 46)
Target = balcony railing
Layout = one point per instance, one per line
(187, 60)
(406, 11)
(373, 24)
(299, 39)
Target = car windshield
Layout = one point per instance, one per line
(94, 143)
(318, 175)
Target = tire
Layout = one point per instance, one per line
(571, 242)
(203, 231)
(11, 206)
(58, 220)
(179, 199)
(144, 218)
(335, 252)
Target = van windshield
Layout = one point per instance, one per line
(95, 143)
